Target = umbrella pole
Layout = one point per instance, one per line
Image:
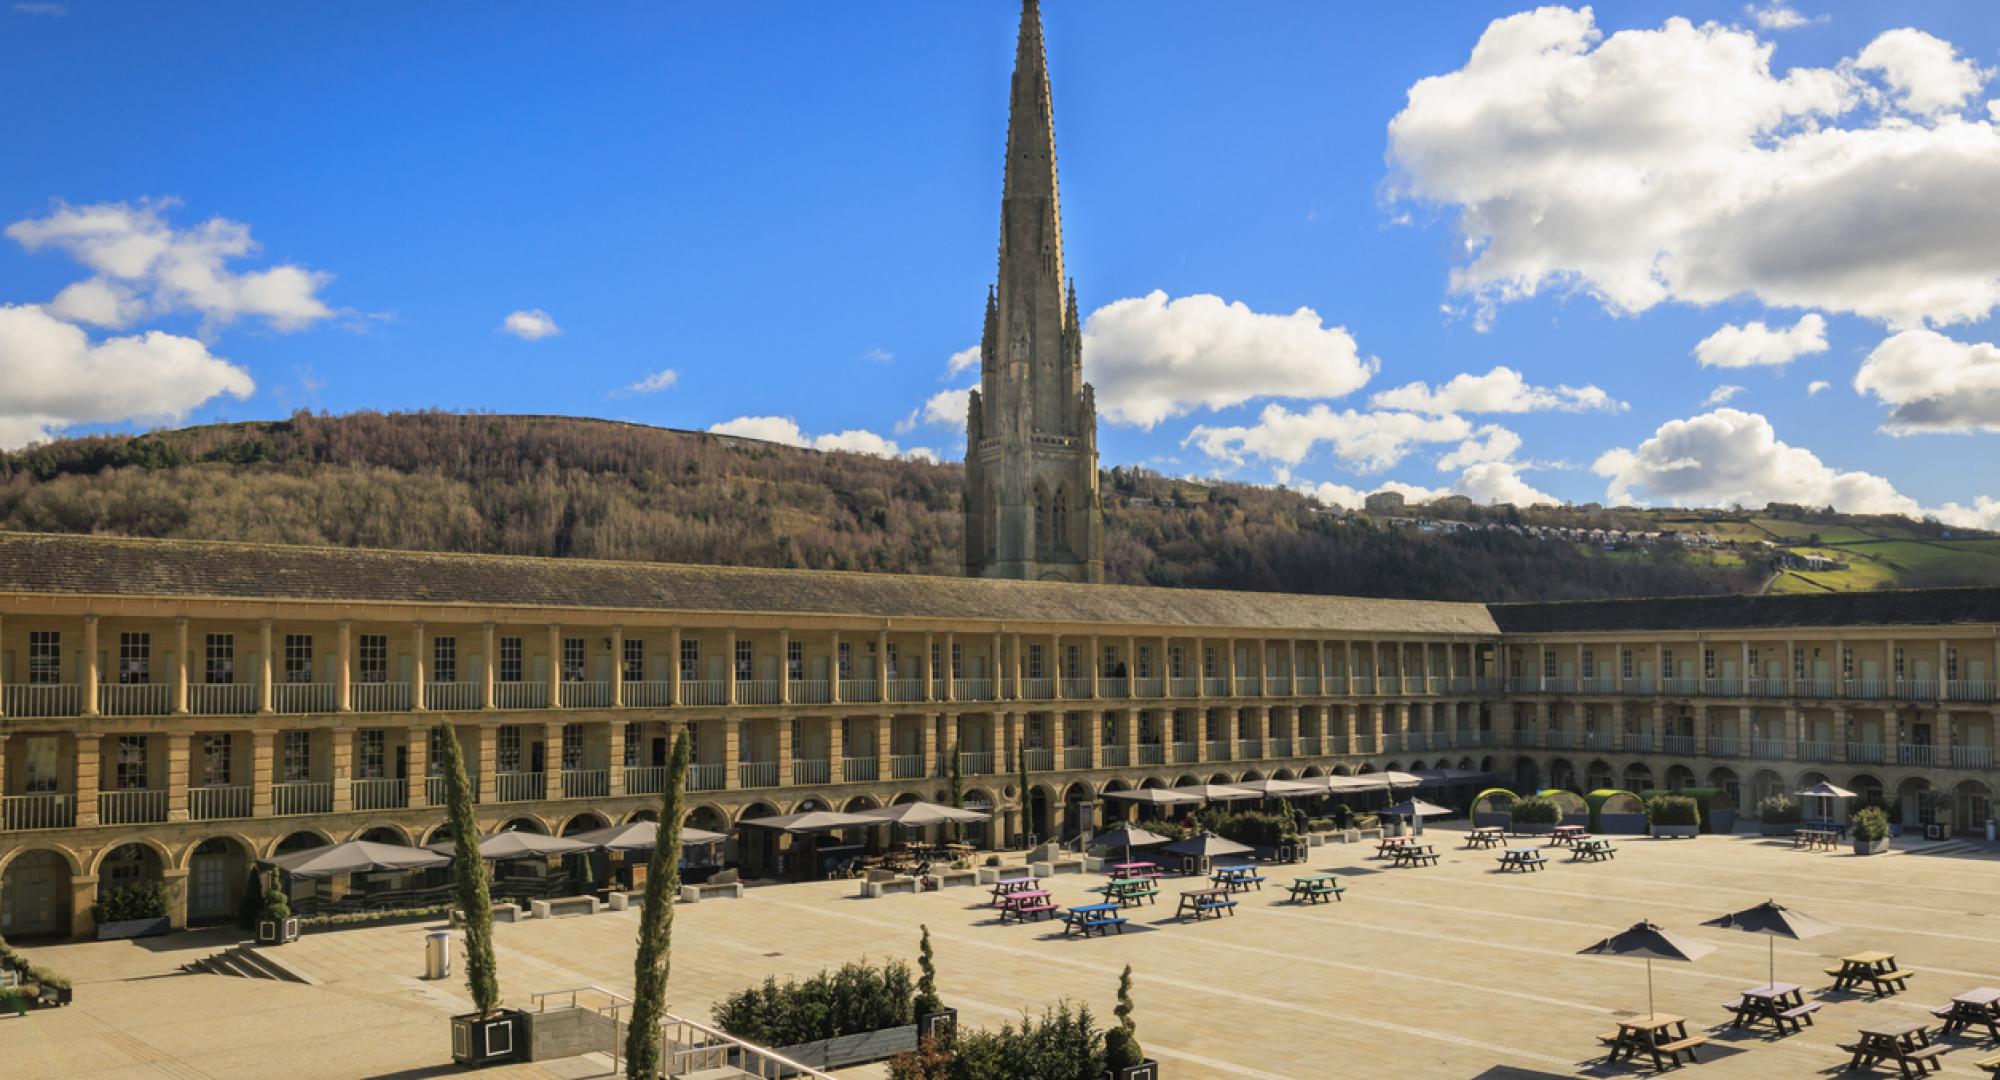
(1773, 940)
(1649, 986)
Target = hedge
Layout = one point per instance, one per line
(1536, 810)
(1672, 810)
(856, 999)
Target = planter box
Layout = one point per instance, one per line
(948, 879)
(54, 996)
(853, 1049)
(989, 875)
(1621, 824)
(1145, 1070)
(1675, 832)
(938, 1026)
(274, 933)
(491, 1040)
(132, 928)
(1871, 847)
(1722, 821)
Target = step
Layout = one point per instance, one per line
(722, 1072)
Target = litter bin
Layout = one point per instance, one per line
(437, 955)
(1989, 830)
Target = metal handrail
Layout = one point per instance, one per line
(769, 1063)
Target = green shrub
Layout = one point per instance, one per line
(1252, 827)
(1061, 1045)
(993, 860)
(1778, 810)
(1871, 824)
(1672, 810)
(1536, 810)
(927, 1001)
(1172, 830)
(145, 900)
(277, 908)
(357, 918)
(855, 999)
(1121, 1043)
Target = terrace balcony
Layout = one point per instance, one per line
(586, 695)
(48, 810)
(302, 797)
(41, 699)
(756, 774)
(757, 691)
(586, 783)
(809, 771)
(521, 695)
(132, 807)
(133, 699)
(380, 793)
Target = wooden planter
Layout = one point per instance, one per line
(1145, 1070)
(132, 928)
(1871, 847)
(478, 1041)
(277, 931)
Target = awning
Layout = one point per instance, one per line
(812, 821)
(355, 857)
(642, 836)
(519, 845)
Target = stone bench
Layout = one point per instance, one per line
(712, 890)
(1063, 866)
(563, 905)
(506, 913)
(948, 879)
(990, 875)
(874, 889)
(626, 901)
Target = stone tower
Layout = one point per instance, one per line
(1032, 509)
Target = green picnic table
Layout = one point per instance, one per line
(1130, 892)
(1315, 888)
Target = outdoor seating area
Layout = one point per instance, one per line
(1592, 849)
(1523, 859)
(1877, 969)
(1316, 888)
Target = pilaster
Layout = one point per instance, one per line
(885, 741)
(82, 894)
(618, 693)
(342, 740)
(181, 663)
(265, 665)
(489, 764)
(552, 767)
(417, 759)
(343, 667)
(420, 668)
(177, 776)
(732, 744)
(836, 748)
(91, 676)
(555, 677)
(263, 772)
(488, 665)
(614, 743)
(784, 729)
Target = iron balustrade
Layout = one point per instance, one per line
(1152, 754)
(521, 786)
(1917, 689)
(1814, 750)
(1184, 687)
(1150, 686)
(451, 696)
(906, 766)
(906, 690)
(1814, 688)
(1037, 689)
(1248, 750)
(1076, 757)
(1218, 749)
(302, 697)
(1362, 684)
(1972, 757)
(1215, 687)
(437, 794)
(972, 689)
(1867, 753)
(1114, 756)
(1767, 748)
(1281, 748)
(48, 810)
(1868, 689)
(1364, 744)
(378, 697)
(1186, 753)
(586, 783)
(133, 699)
(521, 695)
(134, 807)
(1309, 746)
(1075, 688)
(940, 689)
(1041, 758)
(1112, 687)
(1724, 746)
(648, 693)
(1249, 685)
(583, 694)
(976, 762)
(1306, 684)
(812, 770)
(1768, 688)
(1969, 690)
(645, 779)
(757, 691)
(859, 690)
(222, 699)
(302, 797)
(1921, 754)
(707, 776)
(1678, 744)
(379, 794)
(860, 769)
(756, 774)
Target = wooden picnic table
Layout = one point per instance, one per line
(1877, 969)
(1009, 886)
(1980, 1006)
(1486, 836)
(1595, 849)
(1387, 845)
(1907, 1043)
(1415, 855)
(1134, 870)
(1129, 892)
(1567, 834)
(1315, 888)
(1093, 918)
(1202, 903)
(1237, 878)
(1783, 1004)
(1811, 839)
(1661, 1037)
(1026, 904)
(1522, 859)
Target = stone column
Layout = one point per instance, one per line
(618, 674)
(785, 750)
(90, 674)
(1095, 740)
(552, 767)
(729, 685)
(1017, 666)
(1097, 667)
(674, 668)
(555, 670)
(1790, 735)
(263, 771)
(174, 879)
(785, 673)
(1840, 732)
(177, 776)
(1132, 667)
(732, 747)
(343, 667)
(266, 663)
(420, 668)
(833, 668)
(836, 750)
(343, 769)
(1009, 739)
(950, 676)
(999, 688)
(1701, 730)
(927, 669)
(1659, 728)
(489, 662)
(882, 665)
(180, 704)
(1200, 668)
(3, 674)
(954, 724)
(417, 765)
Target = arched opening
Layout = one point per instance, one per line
(1972, 806)
(1250, 776)
(1078, 801)
(583, 822)
(35, 895)
(300, 841)
(1868, 791)
(1597, 775)
(1114, 812)
(385, 834)
(1059, 519)
(1343, 770)
(1723, 779)
(1765, 783)
(127, 865)
(1638, 777)
(1527, 775)
(220, 871)
(1037, 822)
(1310, 772)
(642, 815)
(1562, 775)
(1151, 782)
(524, 824)
(759, 851)
(978, 833)
(439, 834)
(1366, 768)
(1918, 804)
(1678, 777)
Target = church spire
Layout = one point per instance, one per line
(1030, 188)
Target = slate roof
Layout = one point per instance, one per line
(1894, 607)
(44, 564)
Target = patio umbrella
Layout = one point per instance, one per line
(1825, 790)
(1217, 792)
(1774, 920)
(1207, 846)
(1363, 782)
(1651, 942)
(812, 821)
(1154, 796)
(1273, 789)
(918, 814)
(355, 857)
(1400, 779)
(1127, 837)
(642, 836)
(520, 845)
(1414, 807)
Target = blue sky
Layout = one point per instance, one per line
(794, 209)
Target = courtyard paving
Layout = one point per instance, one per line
(1447, 971)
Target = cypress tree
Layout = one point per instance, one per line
(1121, 1043)
(468, 876)
(927, 997)
(656, 924)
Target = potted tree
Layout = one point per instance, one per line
(934, 1022)
(276, 924)
(491, 1035)
(1777, 815)
(1534, 815)
(1123, 1059)
(1672, 816)
(1870, 830)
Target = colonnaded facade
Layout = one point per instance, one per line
(175, 710)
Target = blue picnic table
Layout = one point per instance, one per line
(1237, 878)
(1093, 917)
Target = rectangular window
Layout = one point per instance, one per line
(635, 660)
(1625, 664)
(298, 658)
(1072, 662)
(297, 761)
(1667, 664)
(444, 659)
(1110, 668)
(1799, 663)
(746, 662)
(957, 660)
(1951, 662)
(690, 659)
(1899, 662)
(1708, 663)
(371, 754)
(510, 659)
(1846, 663)
(128, 771)
(845, 658)
(1176, 661)
(1589, 664)
(1145, 661)
(41, 760)
(937, 660)
(434, 765)
(135, 658)
(507, 749)
(572, 747)
(219, 661)
(634, 735)
(374, 659)
(44, 657)
(1208, 662)
(572, 659)
(795, 661)
(1034, 661)
(893, 666)
(215, 759)
(1753, 662)
(1548, 664)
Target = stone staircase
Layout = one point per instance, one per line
(247, 962)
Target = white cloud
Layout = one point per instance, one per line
(1934, 383)
(1721, 394)
(1151, 358)
(663, 379)
(1776, 15)
(1491, 443)
(1368, 442)
(1672, 164)
(55, 377)
(41, 7)
(1984, 513)
(962, 361)
(1500, 482)
(1754, 343)
(878, 354)
(948, 408)
(142, 264)
(1502, 390)
(1924, 73)
(786, 431)
(1816, 386)
(1729, 456)
(533, 324)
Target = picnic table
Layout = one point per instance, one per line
(1522, 859)
(1025, 904)
(1202, 903)
(1907, 1043)
(1129, 892)
(1981, 1007)
(1003, 889)
(1134, 870)
(1387, 845)
(1654, 1036)
(1093, 918)
(1315, 888)
(1877, 969)
(1595, 849)
(1567, 834)
(1838, 828)
(1237, 878)
(1484, 836)
(1811, 839)
(1415, 855)
(1783, 1004)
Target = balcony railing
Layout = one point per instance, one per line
(1364, 744)
(1558, 684)
(939, 688)
(757, 691)
(521, 695)
(1152, 753)
(1281, 747)
(1334, 684)
(1248, 750)
(1917, 689)
(860, 769)
(1920, 754)
(1867, 753)
(1725, 687)
(972, 689)
(976, 762)
(754, 774)
(302, 697)
(1041, 758)
(1218, 749)
(708, 776)
(645, 779)
(222, 699)
(1969, 690)
(584, 694)
(1972, 757)
(132, 807)
(521, 786)
(1361, 684)
(1107, 687)
(906, 766)
(1810, 750)
(1306, 684)
(46, 699)
(906, 690)
(1215, 687)
(451, 696)
(1814, 688)
(378, 696)
(586, 783)
(378, 794)
(42, 811)
(648, 693)
(1114, 756)
(812, 691)
(704, 692)
(1768, 688)
(1724, 746)
(437, 794)
(812, 770)
(1037, 689)
(1149, 686)
(859, 690)
(302, 797)
(1767, 748)
(1186, 753)
(1076, 757)
(1249, 685)
(1309, 746)
(1685, 687)
(1184, 686)
(1868, 689)
(1677, 744)
(133, 699)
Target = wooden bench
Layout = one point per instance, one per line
(1485, 838)
(1089, 921)
(1523, 860)
(1990, 1064)
(1415, 855)
(1592, 851)
(1684, 1046)
(1025, 912)
(1800, 1015)
(1316, 890)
